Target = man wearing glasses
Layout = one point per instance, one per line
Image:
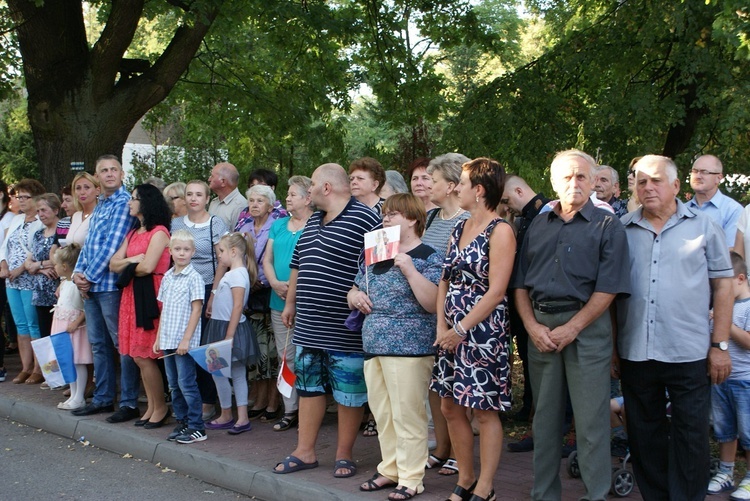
(705, 177)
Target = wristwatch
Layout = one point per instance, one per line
(722, 345)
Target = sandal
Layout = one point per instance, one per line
(490, 497)
(450, 467)
(434, 462)
(22, 377)
(269, 415)
(255, 413)
(286, 422)
(371, 429)
(344, 464)
(402, 492)
(463, 493)
(35, 378)
(372, 485)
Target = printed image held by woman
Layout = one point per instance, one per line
(141, 262)
(472, 327)
(398, 297)
(19, 283)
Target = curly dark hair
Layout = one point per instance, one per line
(153, 207)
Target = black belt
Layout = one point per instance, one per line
(557, 306)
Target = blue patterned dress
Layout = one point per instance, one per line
(477, 374)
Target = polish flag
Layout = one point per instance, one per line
(285, 381)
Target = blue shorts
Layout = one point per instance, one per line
(320, 372)
(730, 404)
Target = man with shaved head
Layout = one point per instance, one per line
(229, 202)
(329, 356)
(705, 176)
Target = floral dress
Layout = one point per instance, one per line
(44, 290)
(17, 253)
(477, 374)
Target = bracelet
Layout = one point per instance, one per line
(41, 264)
(461, 327)
(457, 333)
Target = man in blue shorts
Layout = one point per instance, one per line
(329, 356)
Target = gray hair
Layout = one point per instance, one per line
(669, 166)
(573, 153)
(303, 183)
(156, 181)
(613, 172)
(262, 190)
(449, 166)
(396, 181)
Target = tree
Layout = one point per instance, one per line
(620, 79)
(84, 100)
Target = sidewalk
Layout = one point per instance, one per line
(243, 463)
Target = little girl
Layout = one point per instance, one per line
(69, 316)
(228, 322)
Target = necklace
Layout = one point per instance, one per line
(295, 228)
(460, 210)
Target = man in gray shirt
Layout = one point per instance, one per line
(572, 265)
(678, 262)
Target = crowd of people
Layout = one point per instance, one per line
(593, 288)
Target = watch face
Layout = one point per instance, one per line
(723, 345)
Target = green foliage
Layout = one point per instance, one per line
(17, 155)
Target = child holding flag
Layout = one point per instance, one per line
(228, 322)
(181, 293)
(69, 317)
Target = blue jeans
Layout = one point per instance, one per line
(186, 399)
(24, 313)
(730, 406)
(102, 314)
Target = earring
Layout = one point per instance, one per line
(477, 199)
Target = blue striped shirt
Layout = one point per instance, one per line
(327, 259)
(110, 224)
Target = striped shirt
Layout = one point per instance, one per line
(327, 259)
(177, 293)
(110, 223)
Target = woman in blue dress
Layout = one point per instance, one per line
(472, 327)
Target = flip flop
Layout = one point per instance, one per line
(372, 486)
(344, 463)
(298, 466)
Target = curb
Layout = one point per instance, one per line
(231, 474)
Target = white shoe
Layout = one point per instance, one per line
(71, 405)
(743, 491)
(720, 482)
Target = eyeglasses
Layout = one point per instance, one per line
(136, 199)
(702, 172)
(391, 215)
(22, 197)
(174, 198)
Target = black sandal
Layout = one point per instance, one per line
(286, 422)
(372, 486)
(255, 413)
(490, 497)
(269, 415)
(463, 493)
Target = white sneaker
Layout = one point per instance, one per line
(743, 491)
(720, 482)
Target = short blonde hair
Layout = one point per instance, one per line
(182, 236)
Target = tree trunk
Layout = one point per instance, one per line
(81, 103)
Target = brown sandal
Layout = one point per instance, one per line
(22, 377)
(35, 378)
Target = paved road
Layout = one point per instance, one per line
(42, 466)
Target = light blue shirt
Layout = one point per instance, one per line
(723, 210)
(666, 316)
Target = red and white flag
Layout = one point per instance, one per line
(285, 381)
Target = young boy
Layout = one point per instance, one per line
(181, 294)
(730, 400)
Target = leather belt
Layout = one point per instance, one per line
(557, 306)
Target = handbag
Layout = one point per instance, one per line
(260, 300)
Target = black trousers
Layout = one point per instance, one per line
(670, 457)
